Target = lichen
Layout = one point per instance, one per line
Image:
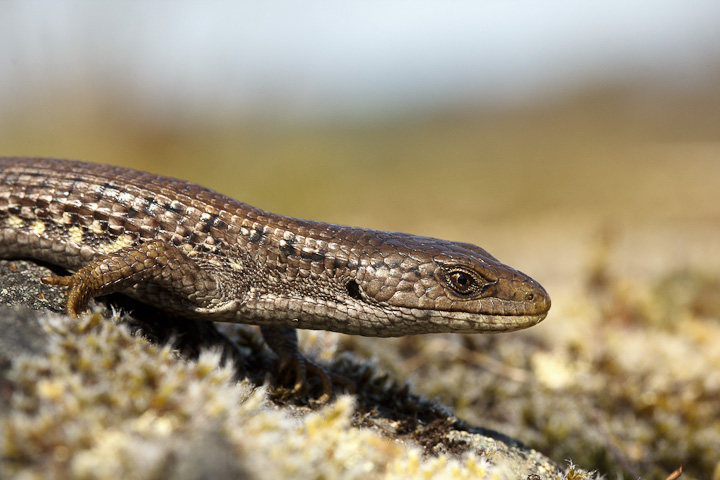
(105, 404)
(623, 378)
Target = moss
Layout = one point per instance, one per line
(103, 403)
(624, 378)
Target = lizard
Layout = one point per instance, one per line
(197, 253)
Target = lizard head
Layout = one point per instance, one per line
(448, 286)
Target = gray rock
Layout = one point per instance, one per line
(382, 405)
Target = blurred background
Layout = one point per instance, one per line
(576, 141)
(532, 130)
(528, 129)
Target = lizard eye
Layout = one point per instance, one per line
(464, 282)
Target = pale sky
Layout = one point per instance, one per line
(317, 57)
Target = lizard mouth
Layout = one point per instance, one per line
(463, 322)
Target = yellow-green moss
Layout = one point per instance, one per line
(103, 404)
(624, 377)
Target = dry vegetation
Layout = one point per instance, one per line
(608, 199)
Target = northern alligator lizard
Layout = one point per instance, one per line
(200, 254)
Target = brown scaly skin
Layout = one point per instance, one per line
(200, 254)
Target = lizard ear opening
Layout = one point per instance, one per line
(353, 289)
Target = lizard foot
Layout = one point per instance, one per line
(296, 369)
(302, 371)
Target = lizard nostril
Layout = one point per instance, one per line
(530, 296)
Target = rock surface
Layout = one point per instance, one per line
(109, 397)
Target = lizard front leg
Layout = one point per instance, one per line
(155, 262)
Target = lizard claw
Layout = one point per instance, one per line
(325, 378)
(302, 369)
(78, 295)
(283, 341)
